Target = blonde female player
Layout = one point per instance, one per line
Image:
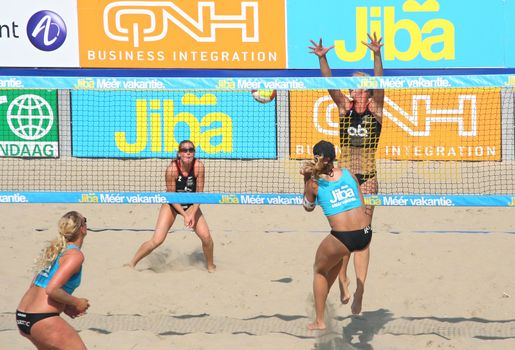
(360, 129)
(50, 293)
(184, 174)
(337, 192)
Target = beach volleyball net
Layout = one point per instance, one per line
(445, 140)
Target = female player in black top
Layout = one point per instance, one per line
(184, 174)
(360, 128)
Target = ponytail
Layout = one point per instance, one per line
(317, 167)
(68, 231)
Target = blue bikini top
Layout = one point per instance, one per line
(44, 277)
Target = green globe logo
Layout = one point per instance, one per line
(30, 117)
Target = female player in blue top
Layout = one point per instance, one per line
(60, 271)
(184, 174)
(361, 114)
(338, 193)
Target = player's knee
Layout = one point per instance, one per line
(155, 242)
(158, 238)
(205, 236)
(207, 241)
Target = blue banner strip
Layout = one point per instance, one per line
(250, 83)
(256, 199)
(218, 73)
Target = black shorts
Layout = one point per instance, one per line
(354, 240)
(184, 206)
(25, 320)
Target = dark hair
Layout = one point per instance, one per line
(185, 141)
(324, 149)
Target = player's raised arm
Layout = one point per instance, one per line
(320, 51)
(378, 96)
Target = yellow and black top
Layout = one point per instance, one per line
(359, 129)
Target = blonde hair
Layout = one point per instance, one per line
(360, 74)
(68, 231)
(317, 168)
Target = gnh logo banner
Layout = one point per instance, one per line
(39, 34)
(418, 124)
(160, 13)
(183, 34)
(29, 123)
(442, 124)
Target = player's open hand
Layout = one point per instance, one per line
(375, 44)
(319, 49)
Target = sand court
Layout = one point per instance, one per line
(438, 278)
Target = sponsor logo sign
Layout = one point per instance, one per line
(120, 198)
(39, 34)
(143, 124)
(13, 198)
(261, 199)
(46, 30)
(416, 33)
(313, 117)
(418, 124)
(29, 123)
(183, 34)
(418, 201)
(442, 124)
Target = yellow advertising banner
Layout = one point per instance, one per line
(182, 34)
(423, 124)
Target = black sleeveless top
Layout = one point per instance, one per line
(186, 183)
(359, 129)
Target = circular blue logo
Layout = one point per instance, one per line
(46, 30)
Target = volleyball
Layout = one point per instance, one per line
(264, 96)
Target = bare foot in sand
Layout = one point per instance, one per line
(344, 291)
(316, 326)
(357, 303)
(129, 265)
(211, 269)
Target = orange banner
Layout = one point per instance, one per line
(182, 34)
(429, 124)
(313, 117)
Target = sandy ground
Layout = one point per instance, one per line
(439, 278)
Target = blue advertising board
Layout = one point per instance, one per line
(150, 124)
(414, 200)
(425, 34)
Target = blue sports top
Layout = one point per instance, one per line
(338, 196)
(44, 277)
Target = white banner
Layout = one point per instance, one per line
(35, 33)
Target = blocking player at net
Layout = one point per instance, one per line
(337, 192)
(50, 293)
(184, 174)
(360, 122)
